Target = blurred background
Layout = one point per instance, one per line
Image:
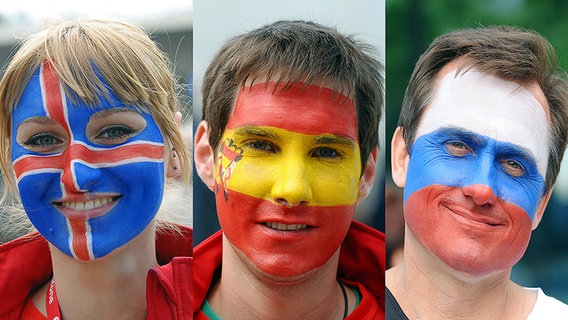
(411, 25)
(216, 21)
(169, 24)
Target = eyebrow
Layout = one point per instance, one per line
(257, 132)
(332, 139)
(108, 112)
(515, 150)
(463, 134)
(504, 147)
(42, 120)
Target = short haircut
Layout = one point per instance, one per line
(510, 53)
(288, 52)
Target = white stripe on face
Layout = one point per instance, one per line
(490, 106)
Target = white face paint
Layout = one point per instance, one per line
(487, 105)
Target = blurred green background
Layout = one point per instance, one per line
(410, 26)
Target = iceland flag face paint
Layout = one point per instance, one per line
(91, 178)
(476, 172)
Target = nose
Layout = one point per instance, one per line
(292, 185)
(77, 175)
(481, 182)
(480, 194)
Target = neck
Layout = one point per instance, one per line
(244, 292)
(104, 288)
(426, 288)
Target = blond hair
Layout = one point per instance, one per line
(84, 53)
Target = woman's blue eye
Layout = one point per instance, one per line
(42, 140)
(116, 132)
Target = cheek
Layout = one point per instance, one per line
(476, 251)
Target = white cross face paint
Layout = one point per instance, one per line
(492, 107)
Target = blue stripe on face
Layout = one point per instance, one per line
(455, 157)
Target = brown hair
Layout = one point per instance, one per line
(296, 51)
(510, 53)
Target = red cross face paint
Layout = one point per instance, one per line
(287, 176)
(476, 172)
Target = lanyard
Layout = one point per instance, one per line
(51, 304)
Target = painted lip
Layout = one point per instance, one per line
(86, 206)
(487, 218)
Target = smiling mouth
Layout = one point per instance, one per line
(286, 227)
(479, 218)
(87, 205)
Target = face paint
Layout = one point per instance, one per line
(476, 172)
(287, 184)
(90, 178)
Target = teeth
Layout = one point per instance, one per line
(286, 227)
(87, 205)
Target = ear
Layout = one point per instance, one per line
(173, 169)
(540, 209)
(204, 156)
(177, 118)
(368, 176)
(399, 158)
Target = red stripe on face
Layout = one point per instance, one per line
(243, 219)
(469, 238)
(308, 110)
(100, 157)
(53, 98)
(79, 239)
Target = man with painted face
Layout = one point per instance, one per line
(90, 133)
(481, 135)
(289, 146)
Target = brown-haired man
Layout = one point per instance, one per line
(289, 146)
(480, 139)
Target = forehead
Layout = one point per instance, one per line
(489, 106)
(305, 109)
(44, 92)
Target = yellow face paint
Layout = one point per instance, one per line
(275, 164)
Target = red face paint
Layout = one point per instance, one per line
(287, 176)
(473, 239)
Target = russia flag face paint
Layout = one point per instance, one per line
(287, 176)
(476, 172)
(91, 178)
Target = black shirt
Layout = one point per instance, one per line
(393, 309)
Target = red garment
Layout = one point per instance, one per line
(25, 265)
(361, 265)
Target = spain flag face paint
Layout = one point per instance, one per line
(91, 178)
(476, 172)
(287, 175)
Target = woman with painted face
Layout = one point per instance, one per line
(90, 138)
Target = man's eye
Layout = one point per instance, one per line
(116, 132)
(42, 140)
(325, 153)
(457, 148)
(262, 145)
(513, 168)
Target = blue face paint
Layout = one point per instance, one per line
(91, 178)
(455, 157)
